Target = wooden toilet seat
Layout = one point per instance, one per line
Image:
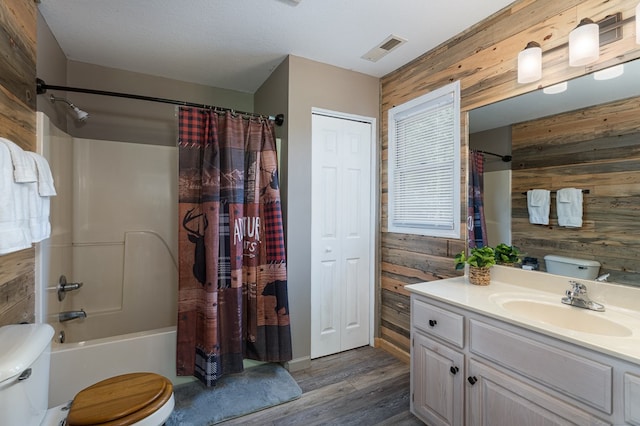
(121, 400)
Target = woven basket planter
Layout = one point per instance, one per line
(479, 276)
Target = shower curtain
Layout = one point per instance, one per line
(232, 296)
(476, 224)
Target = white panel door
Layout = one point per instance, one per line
(340, 229)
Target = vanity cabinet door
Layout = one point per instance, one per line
(631, 398)
(437, 374)
(497, 399)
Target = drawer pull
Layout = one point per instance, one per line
(454, 370)
(472, 379)
(432, 323)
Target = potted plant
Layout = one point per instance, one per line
(480, 261)
(507, 255)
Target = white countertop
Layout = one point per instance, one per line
(622, 304)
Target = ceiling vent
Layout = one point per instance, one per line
(388, 44)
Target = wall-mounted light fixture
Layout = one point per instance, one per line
(530, 63)
(584, 46)
(584, 43)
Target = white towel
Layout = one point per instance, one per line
(45, 179)
(14, 207)
(39, 209)
(538, 203)
(24, 169)
(569, 206)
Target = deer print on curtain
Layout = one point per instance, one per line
(232, 297)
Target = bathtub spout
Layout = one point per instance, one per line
(69, 315)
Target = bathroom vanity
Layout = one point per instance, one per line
(512, 354)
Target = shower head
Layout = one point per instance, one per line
(80, 115)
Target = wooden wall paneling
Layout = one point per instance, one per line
(18, 49)
(484, 59)
(18, 123)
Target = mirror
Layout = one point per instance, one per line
(587, 137)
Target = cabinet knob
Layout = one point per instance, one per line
(432, 323)
(472, 379)
(454, 370)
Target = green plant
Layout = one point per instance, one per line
(507, 254)
(480, 257)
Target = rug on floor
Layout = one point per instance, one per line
(234, 395)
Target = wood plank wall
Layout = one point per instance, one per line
(598, 149)
(18, 123)
(484, 59)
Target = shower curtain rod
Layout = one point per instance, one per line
(505, 158)
(41, 87)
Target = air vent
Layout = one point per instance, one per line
(390, 43)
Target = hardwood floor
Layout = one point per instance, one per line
(364, 386)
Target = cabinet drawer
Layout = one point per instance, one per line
(438, 322)
(580, 378)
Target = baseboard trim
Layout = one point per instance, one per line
(298, 364)
(393, 350)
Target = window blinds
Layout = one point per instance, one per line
(422, 168)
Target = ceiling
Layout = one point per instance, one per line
(236, 44)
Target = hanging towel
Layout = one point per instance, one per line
(39, 209)
(15, 233)
(569, 206)
(45, 179)
(538, 202)
(24, 169)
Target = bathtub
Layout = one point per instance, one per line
(113, 229)
(74, 366)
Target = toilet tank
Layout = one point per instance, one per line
(572, 267)
(25, 351)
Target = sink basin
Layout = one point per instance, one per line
(567, 317)
(547, 309)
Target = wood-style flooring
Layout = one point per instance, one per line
(364, 386)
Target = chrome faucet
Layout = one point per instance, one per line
(577, 296)
(69, 315)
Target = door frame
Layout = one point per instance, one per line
(373, 207)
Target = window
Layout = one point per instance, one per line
(424, 164)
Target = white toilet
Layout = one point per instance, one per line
(129, 399)
(572, 267)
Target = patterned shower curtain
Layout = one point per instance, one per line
(476, 224)
(232, 297)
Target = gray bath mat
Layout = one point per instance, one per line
(235, 395)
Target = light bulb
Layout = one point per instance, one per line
(530, 63)
(584, 43)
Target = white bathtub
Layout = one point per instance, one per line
(114, 229)
(74, 366)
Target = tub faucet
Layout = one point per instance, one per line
(69, 315)
(577, 296)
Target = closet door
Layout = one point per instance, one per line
(341, 234)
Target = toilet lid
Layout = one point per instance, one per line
(120, 400)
